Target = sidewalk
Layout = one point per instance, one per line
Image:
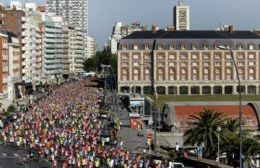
(131, 141)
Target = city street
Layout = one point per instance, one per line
(11, 158)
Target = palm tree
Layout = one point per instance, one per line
(204, 131)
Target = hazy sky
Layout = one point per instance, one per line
(205, 14)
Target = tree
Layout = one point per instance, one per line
(11, 108)
(101, 57)
(204, 131)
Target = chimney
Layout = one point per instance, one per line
(230, 29)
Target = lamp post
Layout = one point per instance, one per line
(240, 103)
(218, 129)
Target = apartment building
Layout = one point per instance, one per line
(55, 41)
(32, 46)
(181, 16)
(91, 46)
(76, 57)
(75, 12)
(3, 69)
(120, 31)
(14, 65)
(189, 62)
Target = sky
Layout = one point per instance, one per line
(205, 14)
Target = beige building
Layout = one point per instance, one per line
(189, 62)
(14, 65)
(76, 53)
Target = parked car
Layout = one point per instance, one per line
(178, 165)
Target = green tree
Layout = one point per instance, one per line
(11, 108)
(204, 131)
(101, 57)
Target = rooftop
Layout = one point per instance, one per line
(194, 34)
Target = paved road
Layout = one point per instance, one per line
(11, 158)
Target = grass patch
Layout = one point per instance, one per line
(161, 99)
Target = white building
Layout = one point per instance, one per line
(75, 12)
(181, 15)
(91, 47)
(76, 57)
(120, 31)
(14, 65)
(31, 46)
(17, 4)
(53, 47)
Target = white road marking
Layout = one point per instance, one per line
(16, 155)
(4, 154)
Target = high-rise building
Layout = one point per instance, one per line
(4, 69)
(120, 31)
(92, 46)
(181, 15)
(75, 12)
(31, 46)
(14, 65)
(75, 50)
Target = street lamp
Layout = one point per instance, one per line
(240, 103)
(218, 130)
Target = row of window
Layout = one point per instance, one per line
(183, 75)
(182, 56)
(184, 46)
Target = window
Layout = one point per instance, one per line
(171, 47)
(160, 74)
(240, 56)
(124, 47)
(147, 56)
(229, 74)
(194, 46)
(160, 46)
(183, 56)
(195, 74)
(183, 64)
(135, 56)
(183, 74)
(217, 63)
(136, 74)
(217, 57)
(146, 47)
(240, 46)
(135, 47)
(171, 74)
(172, 57)
(228, 56)
(206, 56)
(206, 64)
(124, 74)
(124, 57)
(228, 63)
(241, 73)
(147, 74)
(124, 64)
(206, 46)
(160, 57)
(160, 63)
(217, 74)
(251, 56)
(206, 74)
(182, 46)
(194, 64)
(251, 75)
(135, 63)
(194, 56)
(251, 47)
(251, 63)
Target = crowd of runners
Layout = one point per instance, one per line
(64, 128)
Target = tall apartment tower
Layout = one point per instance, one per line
(75, 12)
(181, 15)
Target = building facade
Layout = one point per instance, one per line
(189, 62)
(76, 57)
(14, 65)
(120, 31)
(181, 16)
(32, 47)
(3, 70)
(91, 46)
(53, 48)
(75, 12)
